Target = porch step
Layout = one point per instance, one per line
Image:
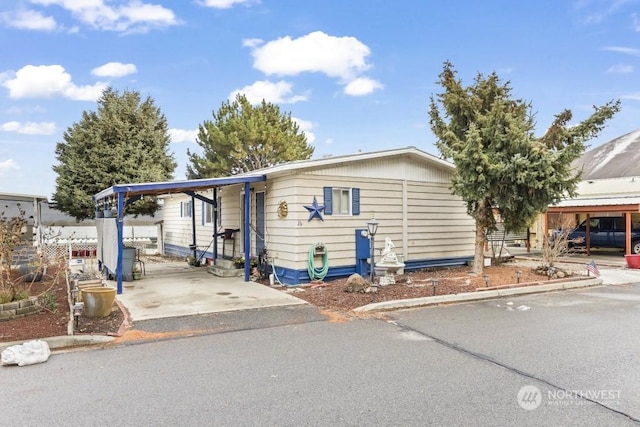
(225, 268)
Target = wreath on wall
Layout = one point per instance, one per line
(283, 209)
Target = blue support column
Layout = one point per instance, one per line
(215, 223)
(247, 234)
(119, 225)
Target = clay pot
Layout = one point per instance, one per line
(98, 301)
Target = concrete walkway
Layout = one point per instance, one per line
(176, 289)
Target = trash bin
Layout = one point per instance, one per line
(128, 257)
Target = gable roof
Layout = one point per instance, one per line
(348, 158)
(614, 159)
(158, 188)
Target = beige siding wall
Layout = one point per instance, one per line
(438, 223)
(177, 230)
(435, 224)
(411, 201)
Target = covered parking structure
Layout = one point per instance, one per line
(615, 206)
(117, 197)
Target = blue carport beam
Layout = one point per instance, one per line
(247, 234)
(119, 227)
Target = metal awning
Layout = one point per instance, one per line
(122, 194)
(172, 187)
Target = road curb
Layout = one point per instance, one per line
(66, 341)
(475, 296)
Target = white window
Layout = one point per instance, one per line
(341, 201)
(208, 213)
(186, 209)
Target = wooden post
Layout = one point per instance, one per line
(627, 219)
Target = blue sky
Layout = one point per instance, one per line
(356, 75)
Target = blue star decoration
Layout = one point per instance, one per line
(315, 210)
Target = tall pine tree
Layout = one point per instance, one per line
(125, 141)
(500, 164)
(243, 137)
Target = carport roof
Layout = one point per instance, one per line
(169, 187)
(608, 204)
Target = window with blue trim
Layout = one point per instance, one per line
(341, 201)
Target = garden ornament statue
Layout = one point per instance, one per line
(389, 263)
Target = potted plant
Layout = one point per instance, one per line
(238, 261)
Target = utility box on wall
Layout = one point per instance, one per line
(363, 251)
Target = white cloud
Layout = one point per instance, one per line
(118, 15)
(595, 12)
(24, 110)
(223, 4)
(277, 93)
(46, 81)
(338, 57)
(621, 49)
(306, 126)
(114, 69)
(30, 128)
(635, 96)
(620, 69)
(183, 135)
(252, 42)
(28, 20)
(342, 58)
(362, 86)
(328, 141)
(8, 166)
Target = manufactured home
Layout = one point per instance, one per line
(311, 215)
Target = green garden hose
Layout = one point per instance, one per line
(318, 273)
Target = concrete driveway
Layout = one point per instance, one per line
(177, 289)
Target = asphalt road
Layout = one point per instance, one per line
(456, 365)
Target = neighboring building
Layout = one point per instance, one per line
(13, 205)
(610, 185)
(406, 190)
(45, 225)
(61, 227)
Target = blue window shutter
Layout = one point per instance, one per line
(355, 201)
(203, 209)
(181, 210)
(328, 200)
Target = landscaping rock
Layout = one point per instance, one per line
(356, 283)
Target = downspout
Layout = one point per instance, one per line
(119, 225)
(247, 236)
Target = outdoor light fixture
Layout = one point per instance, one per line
(372, 229)
(486, 280)
(518, 274)
(77, 311)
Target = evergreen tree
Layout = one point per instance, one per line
(125, 141)
(243, 137)
(500, 165)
